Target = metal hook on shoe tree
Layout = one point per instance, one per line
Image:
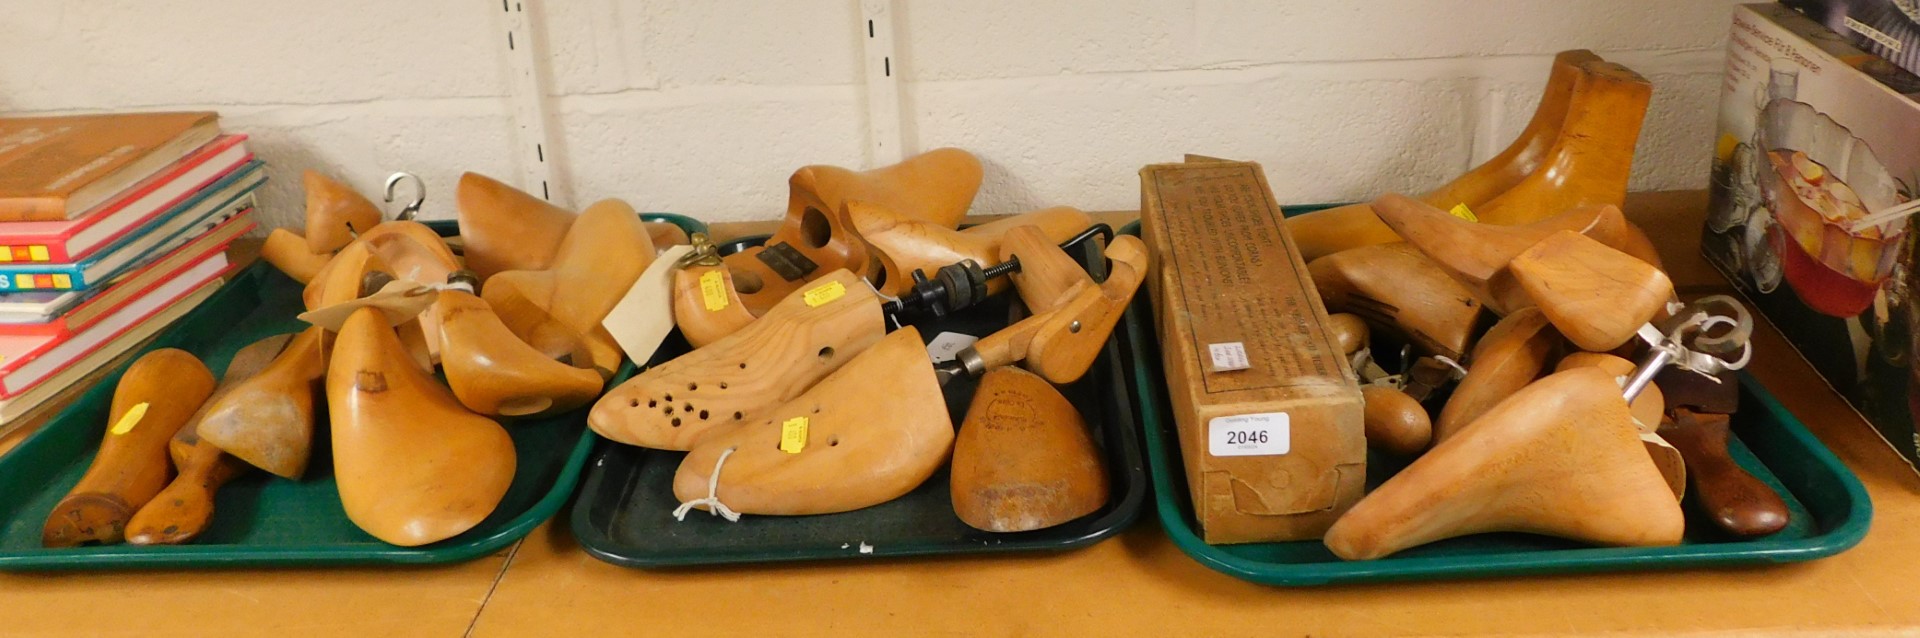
(412, 208)
(1667, 341)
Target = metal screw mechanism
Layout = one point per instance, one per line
(704, 252)
(961, 285)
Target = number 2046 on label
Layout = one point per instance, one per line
(1265, 434)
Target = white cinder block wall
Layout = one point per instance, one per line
(704, 107)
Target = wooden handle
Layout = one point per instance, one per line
(1735, 500)
(1395, 422)
(288, 252)
(335, 213)
(154, 399)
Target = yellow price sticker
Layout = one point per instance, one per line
(820, 295)
(130, 419)
(793, 435)
(1460, 210)
(713, 291)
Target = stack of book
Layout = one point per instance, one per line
(111, 227)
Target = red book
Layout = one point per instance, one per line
(69, 241)
(27, 359)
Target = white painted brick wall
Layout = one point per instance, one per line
(705, 107)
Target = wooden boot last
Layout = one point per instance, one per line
(493, 372)
(602, 255)
(182, 511)
(267, 419)
(413, 466)
(505, 229)
(1325, 232)
(866, 434)
(1591, 156)
(816, 238)
(1023, 459)
(1073, 316)
(904, 245)
(811, 333)
(1561, 457)
(154, 398)
(1396, 288)
(1511, 355)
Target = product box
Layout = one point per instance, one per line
(1808, 145)
(1267, 410)
(1889, 29)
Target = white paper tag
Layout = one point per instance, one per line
(399, 300)
(1265, 434)
(1228, 356)
(644, 316)
(947, 345)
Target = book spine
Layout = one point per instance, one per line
(33, 253)
(51, 208)
(27, 282)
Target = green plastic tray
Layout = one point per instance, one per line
(260, 520)
(1830, 508)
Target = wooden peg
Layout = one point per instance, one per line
(605, 250)
(1395, 423)
(505, 229)
(1597, 296)
(413, 466)
(288, 252)
(493, 372)
(903, 244)
(155, 397)
(866, 434)
(335, 213)
(672, 406)
(1511, 355)
(1396, 288)
(1023, 459)
(1560, 457)
(1325, 232)
(816, 238)
(182, 511)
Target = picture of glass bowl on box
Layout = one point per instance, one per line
(1819, 181)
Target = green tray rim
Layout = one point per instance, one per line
(229, 556)
(1161, 462)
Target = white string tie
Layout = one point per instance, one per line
(712, 501)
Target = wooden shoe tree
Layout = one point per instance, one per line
(179, 513)
(873, 430)
(1511, 355)
(154, 398)
(413, 466)
(603, 253)
(1333, 230)
(904, 245)
(1597, 296)
(1560, 457)
(1394, 422)
(335, 213)
(1023, 459)
(737, 379)
(1648, 411)
(505, 229)
(1072, 315)
(493, 372)
(1396, 288)
(288, 252)
(267, 419)
(705, 304)
(1477, 255)
(1699, 426)
(816, 237)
